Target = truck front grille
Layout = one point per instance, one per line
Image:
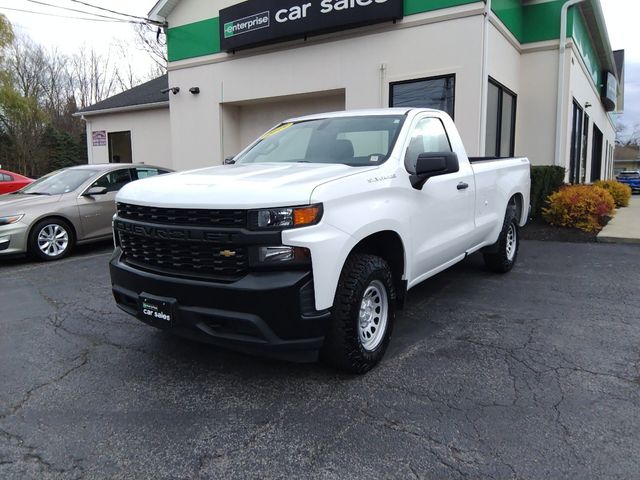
(192, 259)
(183, 216)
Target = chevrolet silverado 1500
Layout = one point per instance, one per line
(308, 242)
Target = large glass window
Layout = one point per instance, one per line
(434, 92)
(501, 121)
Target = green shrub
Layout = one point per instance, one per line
(579, 206)
(620, 192)
(545, 180)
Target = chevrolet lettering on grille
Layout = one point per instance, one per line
(170, 233)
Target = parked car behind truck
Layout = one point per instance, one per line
(68, 207)
(12, 182)
(311, 240)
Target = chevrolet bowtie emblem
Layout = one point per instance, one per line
(227, 253)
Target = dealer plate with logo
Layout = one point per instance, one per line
(157, 310)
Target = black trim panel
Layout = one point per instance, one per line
(262, 312)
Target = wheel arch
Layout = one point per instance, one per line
(66, 220)
(388, 245)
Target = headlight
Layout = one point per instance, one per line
(286, 217)
(10, 219)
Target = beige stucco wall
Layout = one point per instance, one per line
(150, 135)
(361, 66)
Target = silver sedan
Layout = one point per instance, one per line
(68, 207)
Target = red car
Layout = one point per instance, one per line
(11, 182)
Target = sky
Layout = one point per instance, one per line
(70, 34)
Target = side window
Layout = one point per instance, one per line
(114, 181)
(5, 178)
(428, 136)
(147, 172)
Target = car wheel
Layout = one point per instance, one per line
(363, 315)
(504, 258)
(51, 239)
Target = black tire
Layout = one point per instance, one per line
(343, 347)
(62, 248)
(503, 255)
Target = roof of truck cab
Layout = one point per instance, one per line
(361, 113)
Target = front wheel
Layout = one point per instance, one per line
(363, 315)
(51, 240)
(504, 257)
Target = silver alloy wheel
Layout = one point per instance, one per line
(53, 240)
(374, 312)
(512, 237)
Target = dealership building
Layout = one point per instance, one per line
(532, 78)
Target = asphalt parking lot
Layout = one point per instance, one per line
(535, 374)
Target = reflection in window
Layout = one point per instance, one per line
(501, 121)
(435, 92)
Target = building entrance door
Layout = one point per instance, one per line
(120, 147)
(596, 154)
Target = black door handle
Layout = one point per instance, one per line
(463, 186)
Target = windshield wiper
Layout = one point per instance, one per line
(35, 193)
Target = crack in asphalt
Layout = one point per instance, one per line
(84, 359)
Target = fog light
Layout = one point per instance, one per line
(282, 254)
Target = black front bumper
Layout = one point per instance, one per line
(264, 312)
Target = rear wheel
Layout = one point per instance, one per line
(51, 239)
(505, 255)
(363, 315)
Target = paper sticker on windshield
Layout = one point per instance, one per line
(276, 130)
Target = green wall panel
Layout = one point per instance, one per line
(511, 13)
(412, 7)
(194, 40)
(542, 22)
(585, 47)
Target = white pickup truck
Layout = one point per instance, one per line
(308, 242)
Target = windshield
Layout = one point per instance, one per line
(629, 175)
(353, 141)
(59, 182)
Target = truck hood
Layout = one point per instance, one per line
(17, 203)
(236, 186)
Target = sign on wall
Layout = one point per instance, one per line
(257, 22)
(610, 91)
(99, 138)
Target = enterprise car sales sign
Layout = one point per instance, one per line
(257, 22)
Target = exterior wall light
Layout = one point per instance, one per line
(174, 90)
(195, 90)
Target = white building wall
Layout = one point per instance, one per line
(362, 66)
(150, 135)
(536, 127)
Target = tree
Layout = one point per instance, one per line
(152, 39)
(6, 32)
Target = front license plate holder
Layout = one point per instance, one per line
(158, 311)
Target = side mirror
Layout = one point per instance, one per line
(433, 165)
(95, 191)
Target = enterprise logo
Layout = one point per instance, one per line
(247, 24)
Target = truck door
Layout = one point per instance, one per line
(442, 222)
